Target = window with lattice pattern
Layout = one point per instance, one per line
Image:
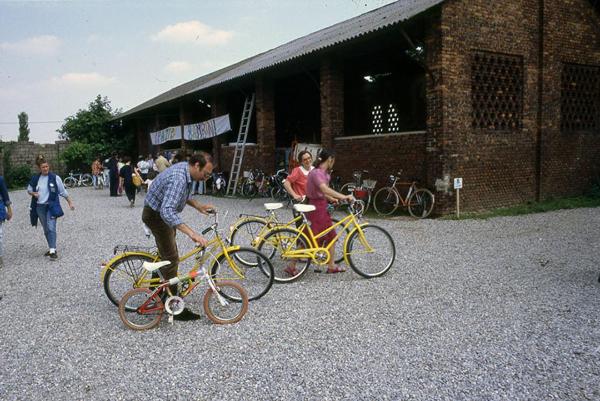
(496, 91)
(580, 98)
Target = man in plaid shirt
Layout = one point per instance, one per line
(166, 198)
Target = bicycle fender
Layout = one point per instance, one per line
(121, 256)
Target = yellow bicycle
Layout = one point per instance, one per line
(250, 230)
(368, 249)
(125, 270)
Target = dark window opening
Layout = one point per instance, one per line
(384, 92)
(496, 91)
(297, 110)
(580, 98)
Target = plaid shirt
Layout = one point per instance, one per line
(169, 192)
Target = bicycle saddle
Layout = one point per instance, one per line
(155, 266)
(304, 208)
(273, 206)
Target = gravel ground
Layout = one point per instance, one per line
(506, 308)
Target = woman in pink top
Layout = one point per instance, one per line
(318, 192)
(295, 183)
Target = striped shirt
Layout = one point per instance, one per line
(169, 193)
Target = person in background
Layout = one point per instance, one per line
(96, 171)
(161, 163)
(295, 183)
(106, 173)
(126, 174)
(113, 174)
(5, 215)
(143, 168)
(120, 165)
(45, 189)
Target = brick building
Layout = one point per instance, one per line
(505, 95)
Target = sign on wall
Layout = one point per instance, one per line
(193, 132)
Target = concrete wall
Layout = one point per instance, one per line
(25, 153)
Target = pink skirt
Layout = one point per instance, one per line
(320, 220)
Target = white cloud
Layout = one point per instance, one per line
(193, 32)
(38, 45)
(82, 79)
(178, 67)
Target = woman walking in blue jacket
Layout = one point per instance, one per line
(45, 189)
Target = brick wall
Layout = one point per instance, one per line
(572, 35)
(25, 153)
(332, 101)
(381, 155)
(252, 159)
(265, 123)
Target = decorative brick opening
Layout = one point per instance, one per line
(496, 91)
(580, 98)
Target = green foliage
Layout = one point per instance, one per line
(91, 134)
(23, 127)
(18, 177)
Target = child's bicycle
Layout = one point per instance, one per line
(142, 308)
(368, 249)
(125, 270)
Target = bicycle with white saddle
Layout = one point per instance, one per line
(142, 308)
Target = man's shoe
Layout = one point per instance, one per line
(53, 256)
(47, 253)
(185, 315)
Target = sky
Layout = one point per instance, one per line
(57, 56)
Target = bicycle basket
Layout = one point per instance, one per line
(369, 184)
(134, 248)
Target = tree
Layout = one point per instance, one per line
(23, 127)
(91, 134)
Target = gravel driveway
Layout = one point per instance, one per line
(507, 308)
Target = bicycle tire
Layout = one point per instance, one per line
(245, 233)
(129, 314)
(100, 183)
(122, 275)
(275, 243)
(86, 180)
(344, 189)
(420, 203)
(257, 277)
(70, 182)
(386, 201)
(213, 310)
(355, 247)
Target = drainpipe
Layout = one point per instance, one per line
(540, 114)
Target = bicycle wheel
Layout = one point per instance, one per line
(347, 188)
(123, 275)
(420, 203)
(247, 234)
(134, 316)
(100, 182)
(70, 182)
(256, 277)
(371, 255)
(86, 180)
(386, 201)
(282, 240)
(226, 312)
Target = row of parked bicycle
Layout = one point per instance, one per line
(418, 201)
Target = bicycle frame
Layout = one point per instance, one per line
(411, 188)
(349, 221)
(216, 243)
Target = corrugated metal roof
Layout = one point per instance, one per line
(372, 21)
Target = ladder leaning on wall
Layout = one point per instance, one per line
(238, 154)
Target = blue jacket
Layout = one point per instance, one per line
(4, 199)
(53, 199)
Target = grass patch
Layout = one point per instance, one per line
(531, 207)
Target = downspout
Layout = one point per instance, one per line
(540, 114)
